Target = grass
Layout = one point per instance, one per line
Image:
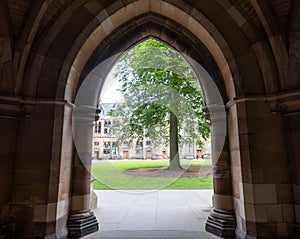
(109, 175)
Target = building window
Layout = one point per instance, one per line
(96, 143)
(97, 128)
(148, 142)
(106, 148)
(107, 125)
(139, 148)
(125, 144)
(114, 149)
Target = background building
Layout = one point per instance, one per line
(105, 142)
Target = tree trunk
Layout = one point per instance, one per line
(174, 154)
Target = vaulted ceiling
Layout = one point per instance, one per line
(44, 42)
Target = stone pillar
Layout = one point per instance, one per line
(291, 114)
(260, 170)
(81, 220)
(221, 221)
(9, 121)
(39, 204)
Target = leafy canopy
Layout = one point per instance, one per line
(155, 81)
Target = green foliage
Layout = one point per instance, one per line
(156, 81)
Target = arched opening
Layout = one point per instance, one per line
(69, 173)
(149, 142)
(186, 42)
(220, 120)
(249, 48)
(128, 212)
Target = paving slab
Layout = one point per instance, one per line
(146, 214)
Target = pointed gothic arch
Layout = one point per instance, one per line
(250, 48)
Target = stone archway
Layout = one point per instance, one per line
(215, 111)
(250, 48)
(151, 22)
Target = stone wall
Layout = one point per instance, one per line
(249, 48)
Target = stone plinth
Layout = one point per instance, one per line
(81, 224)
(221, 223)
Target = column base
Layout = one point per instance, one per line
(221, 223)
(81, 224)
(4, 230)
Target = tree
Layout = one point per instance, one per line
(162, 96)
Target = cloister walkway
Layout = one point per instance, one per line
(153, 214)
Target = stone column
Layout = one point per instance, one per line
(9, 122)
(262, 192)
(291, 114)
(39, 199)
(81, 220)
(221, 221)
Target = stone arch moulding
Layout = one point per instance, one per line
(6, 46)
(136, 9)
(99, 37)
(25, 43)
(150, 25)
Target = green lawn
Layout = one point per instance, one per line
(109, 175)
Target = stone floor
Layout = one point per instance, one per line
(153, 214)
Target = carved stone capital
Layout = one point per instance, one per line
(86, 115)
(216, 113)
(221, 223)
(81, 224)
(286, 104)
(221, 171)
(12, 111)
